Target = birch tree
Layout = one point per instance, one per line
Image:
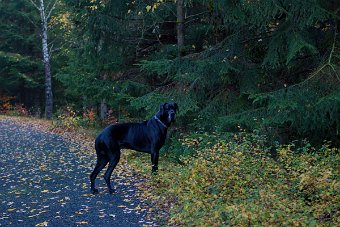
(45, 9)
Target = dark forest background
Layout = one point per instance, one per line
(268, 65)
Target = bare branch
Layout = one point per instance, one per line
(52, 8)
(35, 5)
(50, 51)
(196, 15)
(51, 43)
(31, 21)
(142, 36)
(333, 46)
(54, 50)
(48, 5)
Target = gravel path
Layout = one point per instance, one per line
(44, 181)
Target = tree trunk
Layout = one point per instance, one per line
(46, 61)
(103, 109)
(103, 105)
(180, 27)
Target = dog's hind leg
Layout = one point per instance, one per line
(114, 156)
(101, 163)
(102, 160)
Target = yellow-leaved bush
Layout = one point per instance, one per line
(236, 182)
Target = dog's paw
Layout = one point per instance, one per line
(154, 173)
(154, 169)
(94, 191)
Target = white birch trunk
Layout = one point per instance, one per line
(44, 16)
(46, 60)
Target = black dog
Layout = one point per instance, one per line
(148, 136)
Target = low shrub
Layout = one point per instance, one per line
(6, 103)
(66, 120)
(20, 110)
(9, 107)
(89, 118)
(234, 181)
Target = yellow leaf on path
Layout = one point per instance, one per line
(45, 223)
(44, 191)
(87, 194)
(82, 223)
(11, 209)
(121, 206)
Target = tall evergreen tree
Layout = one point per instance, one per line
(103, 48)
(238, 51)
(19, 52)
(241, 62)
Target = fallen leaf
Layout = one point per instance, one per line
(82, 223)
(45, 223)
(88, 194)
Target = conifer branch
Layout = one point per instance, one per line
(328, 63)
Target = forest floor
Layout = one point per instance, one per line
(44, 181)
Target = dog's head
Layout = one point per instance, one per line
(167, 112)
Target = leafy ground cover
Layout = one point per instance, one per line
(44, 180)
(237, 180)
(204, 179)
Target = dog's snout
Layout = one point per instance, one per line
(172, 113)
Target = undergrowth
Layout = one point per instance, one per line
(234, 180)
(221, 179)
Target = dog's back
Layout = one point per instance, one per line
(125, 135)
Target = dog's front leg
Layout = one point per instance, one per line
(154, 161)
